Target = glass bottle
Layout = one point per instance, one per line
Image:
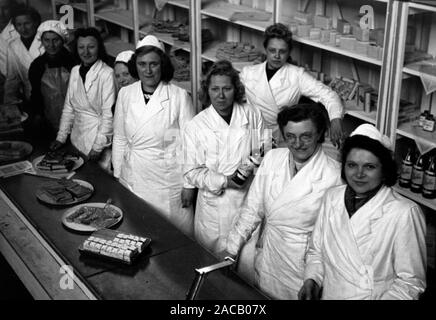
(406, 170)
(429, 180)
(417, 175)
(247, 168)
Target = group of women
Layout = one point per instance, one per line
(299, 223)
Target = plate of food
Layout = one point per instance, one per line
(14, 150)
(64, 192)
(57, 162)
(92, 216)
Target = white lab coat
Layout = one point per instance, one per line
(289, 203)
(87, 113)
(6, 36)
(146, 152)
(215, 150)
(380, 253)
(285, 88)
(18, 63)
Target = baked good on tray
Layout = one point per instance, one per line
(11, 150)
(57, 161)
(10, 116)
(63, 191)
(94, 216)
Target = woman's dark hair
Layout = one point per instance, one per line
(305, 111)
(389, 166)
(278, 31)
(222, 68)
(23, 10)
(90, 32)
(166, 66)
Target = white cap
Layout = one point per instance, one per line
(150, 40)
(53, 26)
(370, 131)
(124, 56)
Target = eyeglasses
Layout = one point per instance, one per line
(305, 138)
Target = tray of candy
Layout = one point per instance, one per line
(114, 245)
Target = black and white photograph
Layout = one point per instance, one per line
(223, 157)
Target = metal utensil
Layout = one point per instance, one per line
(108, 202)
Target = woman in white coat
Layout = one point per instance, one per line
(369, 241)
(217, 142)
(286, 196)
(149, 116)
(87, 113)
(21, 51)
(276, 83)
(121, 69)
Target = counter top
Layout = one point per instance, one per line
(164, 271)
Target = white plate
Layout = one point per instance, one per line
(85, 227)
(40, 194)
(77, 164)
(27, 149)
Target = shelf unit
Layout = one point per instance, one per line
(387, 74)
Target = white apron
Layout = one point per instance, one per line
(288, 203)
(215, 150)
(285, 88)
(146, 149)
(380, 253)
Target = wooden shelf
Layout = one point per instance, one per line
(353, 110)
(180, 3)
(121, 17)
(115, 45)
(416, 69)
(337, 50)
(413, 131)
(167, 38)
(417, 197)
(79, 6)
(223, 11)
(415, 7)
(210, 54)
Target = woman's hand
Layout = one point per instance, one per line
(309, 291)
(336, 132)
(56, 145)
(94, 155)
(188, 196)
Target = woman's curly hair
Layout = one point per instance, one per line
(278, 31)
(222, 68)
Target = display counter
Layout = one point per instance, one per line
(38, 246)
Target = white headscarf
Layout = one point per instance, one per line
(370, 131)
(124, 56)
(54, 26)
(150, 40)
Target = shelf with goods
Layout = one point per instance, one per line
(412, 55)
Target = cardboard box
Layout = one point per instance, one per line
(315, 34)
(343, 26)
(323, 22)
(303, 30)
(373, 51)
(347, 42)
(293, 27)
(303, 17)
(361, 47)
(360, 34)
(332, 40)
(325, 36)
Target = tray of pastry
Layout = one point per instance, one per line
(64, 192)
(57, 162)
(114, 245)
(14, 150)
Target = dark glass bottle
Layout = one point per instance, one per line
(417, 175)
(406, 170)
(429, 180)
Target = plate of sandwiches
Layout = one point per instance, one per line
(14, 150)
(92, 216)
(63, 192)
(57, 162)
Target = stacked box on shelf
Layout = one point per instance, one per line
(408, 112)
